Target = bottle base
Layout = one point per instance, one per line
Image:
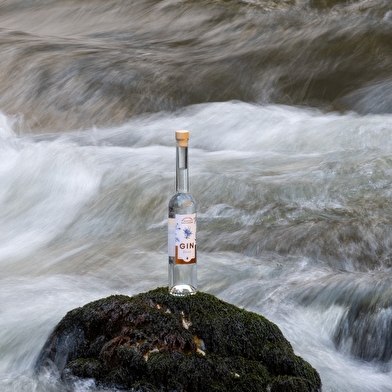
(182, 290)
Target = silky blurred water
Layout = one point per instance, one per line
(288, 109)
(83, 216)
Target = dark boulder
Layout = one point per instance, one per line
(157, 342)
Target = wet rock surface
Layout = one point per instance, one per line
(157, 342)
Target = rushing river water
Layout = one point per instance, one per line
(289, 105)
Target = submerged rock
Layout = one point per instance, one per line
(364, 329)
(157, 342)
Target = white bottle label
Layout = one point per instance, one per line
(185, 239)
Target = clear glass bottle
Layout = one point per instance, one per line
(182, 227)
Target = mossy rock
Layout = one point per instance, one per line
(157, 342)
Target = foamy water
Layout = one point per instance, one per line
(281, 202)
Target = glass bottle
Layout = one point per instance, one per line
(182, 227)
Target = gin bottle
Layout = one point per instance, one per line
(182, 227)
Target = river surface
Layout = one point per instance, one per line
(289, 108)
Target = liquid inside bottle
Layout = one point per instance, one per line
(182, 227)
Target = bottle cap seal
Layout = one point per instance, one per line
(182, 138)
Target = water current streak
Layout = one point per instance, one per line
(100, 63)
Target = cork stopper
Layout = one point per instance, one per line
(182, 138)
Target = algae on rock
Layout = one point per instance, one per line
(157, 342)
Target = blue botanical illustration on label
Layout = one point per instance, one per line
(187, 233)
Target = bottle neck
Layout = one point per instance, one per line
(182, 177)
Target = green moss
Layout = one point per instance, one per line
(216, 322)
(158, 342)
(290, 384)
(212, 373)
(85, 368)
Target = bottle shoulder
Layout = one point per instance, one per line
(182, 203)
